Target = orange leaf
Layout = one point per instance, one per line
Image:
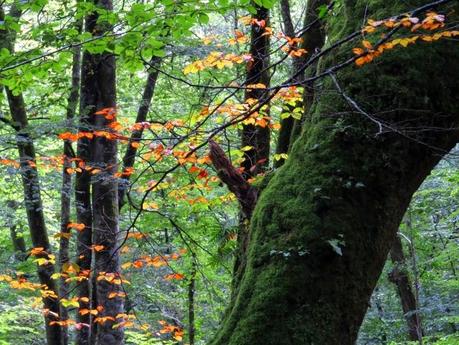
(177, 276)
(77, 226)
(97, 247)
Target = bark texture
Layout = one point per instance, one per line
(66, 197)
(313, 39)
(129, 156)
(399, 276)
(257, 159)
(83, 204)
(323, 227)
(98, 92)
(245, 193)
(35, 216)
(32, 194)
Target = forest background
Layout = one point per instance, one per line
(169, 161)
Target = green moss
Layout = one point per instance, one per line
(343, 183)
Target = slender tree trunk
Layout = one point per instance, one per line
(283, 140)
(64, 257)
(399, 276)
(324, 225)
(18, 241)
(256, 160)
(32, 193)
(191, 304)
(258, 137)
(313, 40)
(99, 93)
(129, 156)
(35, 216)
(84, 210)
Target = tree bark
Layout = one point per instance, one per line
(64, 257)
(323, 227)
(35, 216)
(313, 40)
(257, 159)
(99, 92)
(18, 241)
(399, 276)
(129, 156)
(83, 203)
(191, 303)
(32, 193)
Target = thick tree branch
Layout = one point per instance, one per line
(233, 178)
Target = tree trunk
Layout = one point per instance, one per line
(399, 276)
(285, 132)
(323, 227)
(99, 93)
(32, 193)
(83, 203)
(258, 137)
(256, 159)
(129, 156)
(18, 241)
(35, 216)
(191, 304)
(64, 257)
(313, 40)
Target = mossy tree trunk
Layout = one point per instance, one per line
(323, 227)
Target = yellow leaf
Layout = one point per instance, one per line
(256, 86)
(367, 44)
